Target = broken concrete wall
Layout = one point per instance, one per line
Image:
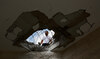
(86, 48)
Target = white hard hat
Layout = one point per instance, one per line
(52, 32)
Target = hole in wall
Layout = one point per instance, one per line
(41, 37)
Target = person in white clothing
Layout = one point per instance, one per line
(41, 37)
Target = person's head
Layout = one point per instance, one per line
(46, 33)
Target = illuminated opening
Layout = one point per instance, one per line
(41, 37)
